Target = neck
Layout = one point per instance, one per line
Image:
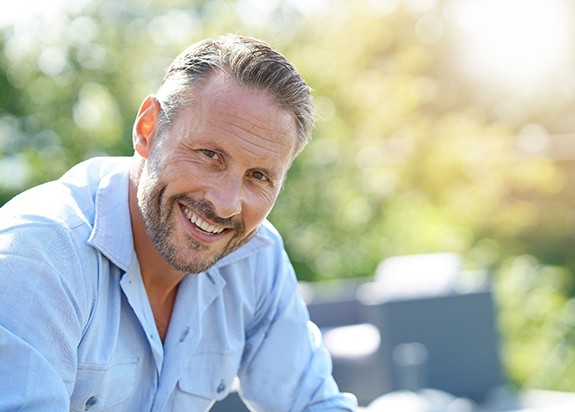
(160, 279)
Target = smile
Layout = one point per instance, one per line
(201, 224)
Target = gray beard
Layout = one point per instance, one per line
(159, 220)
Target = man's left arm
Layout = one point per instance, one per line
(285, 366)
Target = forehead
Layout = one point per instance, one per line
(225, 112)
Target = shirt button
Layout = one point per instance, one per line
(221, 387)
(92, 400)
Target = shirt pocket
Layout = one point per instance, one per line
(207, 378)
(102, 387)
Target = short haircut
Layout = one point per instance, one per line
(251, 62)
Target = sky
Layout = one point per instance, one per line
(519, 42)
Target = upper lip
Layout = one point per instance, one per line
(201, 223)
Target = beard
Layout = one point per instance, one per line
(189, 256)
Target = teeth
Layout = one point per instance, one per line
(205, 226)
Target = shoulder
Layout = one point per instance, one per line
(44, 235)
(50, 224)
(67, 202)
(260, 269)
(266, 245)
(269, 230)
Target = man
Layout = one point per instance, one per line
(149, 283)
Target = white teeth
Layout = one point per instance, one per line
(206, 227)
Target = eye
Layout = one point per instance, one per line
(260, 176)
(211, 154)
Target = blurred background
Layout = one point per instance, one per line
(444, 126)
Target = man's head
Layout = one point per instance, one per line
(250, 62)
(213, 149)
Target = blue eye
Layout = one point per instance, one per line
(259, 176)
(211, 154)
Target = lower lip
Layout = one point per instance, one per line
(197, 233)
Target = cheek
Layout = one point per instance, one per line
(255, 212)
(148, 182)
(181, 177)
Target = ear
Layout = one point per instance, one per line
(146, 126)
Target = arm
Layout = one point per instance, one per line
(285, 366)
(27, 380)
(40, 323)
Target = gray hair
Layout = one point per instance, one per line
(252, 63)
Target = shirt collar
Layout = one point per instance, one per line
(112, 231)
(261, 240)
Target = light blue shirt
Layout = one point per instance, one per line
(77, 331)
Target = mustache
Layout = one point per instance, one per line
(209, 212)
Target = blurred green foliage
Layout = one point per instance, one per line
(537, 319)
(407, 156)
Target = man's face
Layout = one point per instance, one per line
(213, 175)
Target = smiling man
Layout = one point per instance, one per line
(149, 283)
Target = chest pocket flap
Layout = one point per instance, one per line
(208, 377)
(100, 387)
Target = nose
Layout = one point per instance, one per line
(225, 195)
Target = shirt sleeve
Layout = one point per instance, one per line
(285, 366)
(40, 323)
